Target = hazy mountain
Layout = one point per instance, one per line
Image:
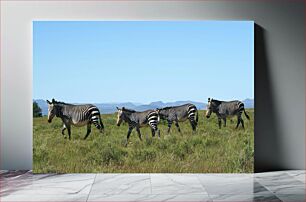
(248, 103)
(108, 108)
(160, 104)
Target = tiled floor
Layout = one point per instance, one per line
(271, 186)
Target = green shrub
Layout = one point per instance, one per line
(182, 150)
(112, 153)
(36, 110)
(197, 140)
(211, 142)
(162, 145)
(146, 154)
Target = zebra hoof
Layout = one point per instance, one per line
(126, 144)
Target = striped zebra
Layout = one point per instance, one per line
(178, 114)
(137, 120)
(77, 115)
(225, 109)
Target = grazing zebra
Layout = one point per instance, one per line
(138, 120)
(77, 115)
(178, 114)
(226, 109)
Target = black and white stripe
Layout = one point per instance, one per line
(137, 120)
(77, 115)
(178, 114)
(93, 114)
(225, 109)
(153, 120)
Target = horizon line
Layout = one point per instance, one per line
(136, 102)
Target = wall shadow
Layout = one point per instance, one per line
(267, 135)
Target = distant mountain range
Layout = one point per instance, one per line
(109, 108)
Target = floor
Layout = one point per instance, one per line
(270, 186)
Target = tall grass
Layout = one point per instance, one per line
(209, 150)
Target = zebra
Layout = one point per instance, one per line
(225, 109)
(77, 115)
(137, 120)
(178, 114)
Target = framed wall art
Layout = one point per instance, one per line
(143, 96)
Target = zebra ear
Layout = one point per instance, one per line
(118, 108)
(48, 102)
(53, 100)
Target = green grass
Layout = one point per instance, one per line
(209, 150)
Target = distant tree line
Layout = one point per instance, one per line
(36, 110)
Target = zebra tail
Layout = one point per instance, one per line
(197, 117)
(246, 115)
(102, 126)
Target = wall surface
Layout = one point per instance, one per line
(279, 67)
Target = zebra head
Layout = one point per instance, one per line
(53, 110)
(209, 109)
(119, 116)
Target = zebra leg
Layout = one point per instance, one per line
(242, 122)
(238, 122)
(68, 126)
(153, 132)
(193, 124)
(88, 130)
(178, 127)
(169, 126)
(224, 120)
(128, 135)
(63, 129)
(139, 134)
(69, 132)
(219, 122)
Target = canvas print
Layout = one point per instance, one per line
(143, 96)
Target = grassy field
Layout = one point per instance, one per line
(209, 150)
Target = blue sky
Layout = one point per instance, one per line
(143, 61)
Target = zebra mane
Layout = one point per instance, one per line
(59, 102)
(128, 110)
(165, 108)
(216, 101)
